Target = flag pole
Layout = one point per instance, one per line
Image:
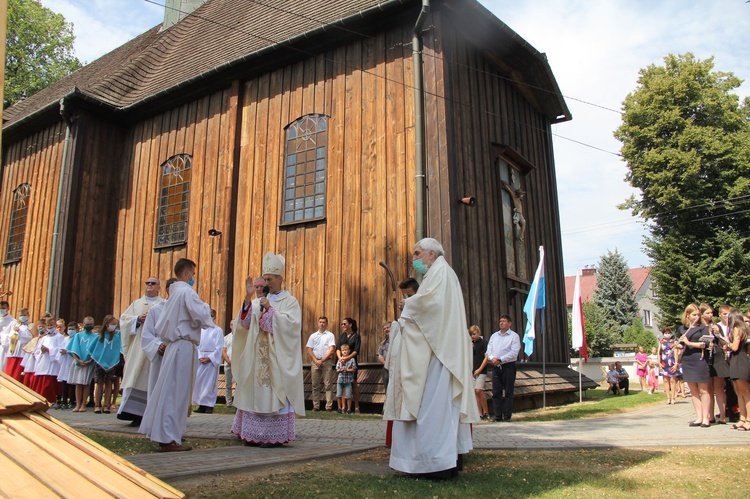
(544, 365)
(580, 385)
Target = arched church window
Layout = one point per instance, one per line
(174, 201)
(305, 166)
(18, 214)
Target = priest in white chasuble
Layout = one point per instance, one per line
(434, 401)
(135, 375)
(267, 361)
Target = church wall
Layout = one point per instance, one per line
(484, 111)
(332, 265)
(35, 160)
(204, 129)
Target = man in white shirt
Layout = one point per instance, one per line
(320, 348)
(502, 353)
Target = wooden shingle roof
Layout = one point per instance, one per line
(42, 457)
(218, 34)
(223, 39)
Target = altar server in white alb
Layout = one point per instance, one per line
(267, 361)
(207, 378)
(5, 321)
(135, 378)
(179, 328)
(434, 402)
(153, 347)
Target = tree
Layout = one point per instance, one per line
(599, 335)
(615, 292)
(639, 335)
(686, 140)
(38, 49)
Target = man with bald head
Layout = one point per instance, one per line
(135, 376)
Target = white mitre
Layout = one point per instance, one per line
(273, 264)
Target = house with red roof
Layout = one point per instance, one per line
(644, 293)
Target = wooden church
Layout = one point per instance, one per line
(334, 132)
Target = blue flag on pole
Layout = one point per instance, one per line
(536, 300)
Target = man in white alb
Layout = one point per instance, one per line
(179, 328)
(434, 401)
(207, 378)
(135, 377)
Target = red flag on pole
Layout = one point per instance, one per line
(579, 333)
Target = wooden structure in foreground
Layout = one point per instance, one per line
(42, 457)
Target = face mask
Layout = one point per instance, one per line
(111, 327)
(419, 266)
(24, 318)
(191, 281)
(88, 327)
(51, 330)
(668, 336)
(3, 312)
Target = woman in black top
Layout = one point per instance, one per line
(694, 361)
(350, 336)
(718, 365)
(479, 369)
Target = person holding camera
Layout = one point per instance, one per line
(695, 339)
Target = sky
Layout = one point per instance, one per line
(595, 49)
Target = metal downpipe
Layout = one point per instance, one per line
(419, 125)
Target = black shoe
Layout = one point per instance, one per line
(209, 410)
(693, 424)
(498, 420)
(201, 409)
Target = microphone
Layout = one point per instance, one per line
(266, 290)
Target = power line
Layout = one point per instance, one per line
(390, 80)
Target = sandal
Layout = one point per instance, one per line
(107, 411)
(97, 410)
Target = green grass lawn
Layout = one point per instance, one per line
(617, 473)
(595, 403)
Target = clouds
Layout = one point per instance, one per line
(595, 49)
(103, 25)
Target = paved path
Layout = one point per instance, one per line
(657, 425)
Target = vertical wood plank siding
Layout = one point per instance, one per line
(485, 109)
(236, 137)
(36, 160)
(332, 265)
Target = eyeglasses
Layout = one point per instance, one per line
(344, 324)
(151, 283)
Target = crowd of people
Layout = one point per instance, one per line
(164, 355)
(707, 360)
(712, 359)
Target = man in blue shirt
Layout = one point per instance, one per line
(502, 352)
